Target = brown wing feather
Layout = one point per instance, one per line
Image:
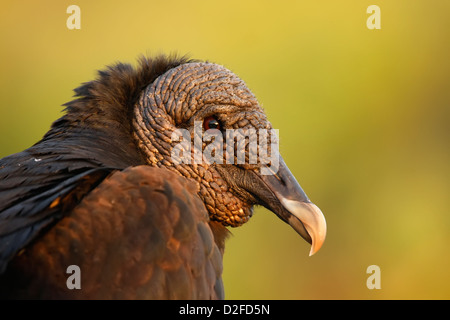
(143, 233)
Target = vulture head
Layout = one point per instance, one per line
(205, 98)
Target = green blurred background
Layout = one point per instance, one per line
(363, 117)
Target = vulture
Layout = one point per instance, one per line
(101, 196)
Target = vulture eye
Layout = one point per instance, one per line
(211, 123)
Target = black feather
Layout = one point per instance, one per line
(41, 184)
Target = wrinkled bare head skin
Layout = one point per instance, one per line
(194, 92)
(209, 94)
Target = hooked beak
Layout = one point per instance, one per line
(290, 203)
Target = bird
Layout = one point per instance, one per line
(102, 191)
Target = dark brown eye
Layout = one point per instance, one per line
(211, 123)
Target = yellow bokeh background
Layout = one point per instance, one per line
(363, 117)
